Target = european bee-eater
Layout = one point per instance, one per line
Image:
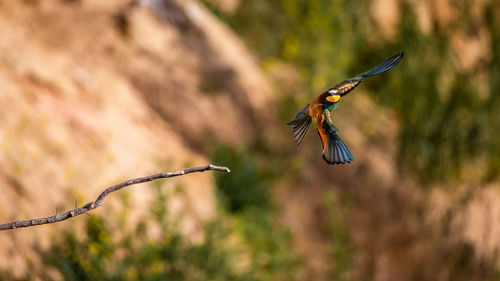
(320, 108)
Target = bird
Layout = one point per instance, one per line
(320, 108)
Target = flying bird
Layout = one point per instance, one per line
(320, 108)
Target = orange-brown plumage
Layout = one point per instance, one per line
(321, 130)
(315, 107)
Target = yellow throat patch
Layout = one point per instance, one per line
(333, 98)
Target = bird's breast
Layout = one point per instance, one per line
(315, 110)
(316, 106)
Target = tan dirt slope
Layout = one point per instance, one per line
(94, 92)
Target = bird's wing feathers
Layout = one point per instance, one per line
(300, 125)
(383, 67)
(348, 85)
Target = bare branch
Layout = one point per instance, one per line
(98, 202)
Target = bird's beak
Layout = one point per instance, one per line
(333, 98)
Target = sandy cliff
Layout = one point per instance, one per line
(96, 92)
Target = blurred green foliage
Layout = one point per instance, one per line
(340, 248)
(445, 122)
(247, 185)
(135, 257)
(246, 194)
(243, 242)
(107, 251)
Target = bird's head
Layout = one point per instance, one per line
(333, 96)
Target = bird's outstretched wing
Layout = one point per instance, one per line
(300, 125)
(347, 86)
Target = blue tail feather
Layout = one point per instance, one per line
(335, 151)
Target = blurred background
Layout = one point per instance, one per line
(96, 92)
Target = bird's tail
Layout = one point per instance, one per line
(300, 125)
(383, 67)
(335, 151)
